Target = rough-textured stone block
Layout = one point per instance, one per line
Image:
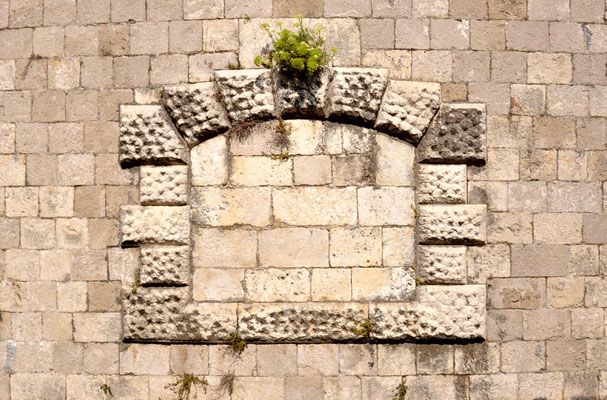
(155, 224)
(304, 322)
(442, 183)
(217, 206)
(163, 185)
(441, 264)
(438, 312)
(355, 94)
(196, 111)
(246, 94)
(148, 137)
(452, 223)
(301, 98)
(456, 135)
(165, 265)
(408, 108)
(166, 314)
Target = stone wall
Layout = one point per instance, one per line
(111, 197)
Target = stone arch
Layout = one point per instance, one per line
(164, 140)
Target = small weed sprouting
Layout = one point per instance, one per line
(238, 65)
(185, 383)
(401, 390)
(224, 183)
(283, 156)
(415, 212)
(106, 389)
(136, 286)
(237, 344)
(226, 384)
(417, 281)
(247, 18)
(212, 79)
(366, 329)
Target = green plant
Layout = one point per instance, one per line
(136, 286)
(401, 390)
(185, 383)
(106, 389)
(301, 53)
(238, 65)
(237, 344)
(226, 384)
(365, 329)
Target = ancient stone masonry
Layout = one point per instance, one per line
(303, 230)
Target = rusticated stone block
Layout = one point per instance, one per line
(167, 314)
(408, 108)
(301, 98)
(155, 224)
(196, 111)
(355, 94)
(300, 322)
(165, 265)
(148, 137)
(247, 94)
(441, 224)
(164, 185)
(441, 264)
(456, 135)
(442, 184)
(438, 312)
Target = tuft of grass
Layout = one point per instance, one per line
(401, 390)
(226, 384)
(106, 389)
(365, 329)
(238, 65)
(136, 286)
(185, 383)
(237, 344)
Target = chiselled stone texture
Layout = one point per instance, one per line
(163, 185)
(456, 135)
(300, 322)
(165, 265)
(443, 224)
(408, 108)
(155, 224)
(355, 94)
(246, 94)
(438, 312)
(148, 137)
(196, 111)
(441, 264)
(301, 98)
(167, 314)
(442, 184)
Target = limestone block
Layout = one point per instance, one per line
(383, 284)
(260, 171)
(331, 284)
(441, 264)
(300, 322)
(353, 170)
(441, 224)
(209, 162)
(148, 137)
(386, 206)
(294, 247)
(355, 94)
(166, 314)
(227, 248)
(456, 135)
(217, 206)
(268, 285)
(140, 224)
(315, 206)
(438, 312)
(165, 265)
(394, 160)
(196, 111)
(163, 185)
(407, 109)
(442, 184)
(299, 98)
(247, 94)
(307, 137)
(258, 138)
(357, 139)
(356, 247)
(398, 246)
(214, 284)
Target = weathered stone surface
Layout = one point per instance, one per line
(395, 161)
(209, 162)
(261, 171)
(457, 135)
(386, 206)
(272, 284)
(442, 183)
(294, 247)
(246, 94)
(163, 185)
(148, 137)
(383, 284)
(355, 247)
(228, 248)
(213, 284)
(407, 109)
(165, 265)
(355, 94)
(440, 224)
(303, 322)
(301, 98)
(315, 206)
(438, 312)
(196, 111)
(441, 264)
(155, 224)
(167, 314)
(218, 206)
